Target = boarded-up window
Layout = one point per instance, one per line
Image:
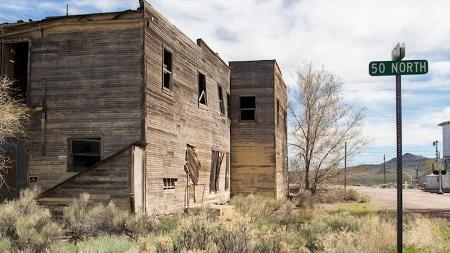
(216, 163)
(84, 153)
(193, 165)
(167, 69)
(169, 183)
(202, 89)
(221, 102)
(248, 108)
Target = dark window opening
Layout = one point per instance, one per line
(278, 112)
(85, 153)
(221, 102)
(228, 105)
(202, 89)
(14, 65)
(169, 183)
(167, 69)
(216, 163)
(248, 108)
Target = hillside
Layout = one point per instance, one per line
(373, 173)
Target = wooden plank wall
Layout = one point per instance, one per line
(93, 76)
(281, 135)
(175, 119)
(108, 182)
(253, 142)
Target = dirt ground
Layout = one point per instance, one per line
(413, 200)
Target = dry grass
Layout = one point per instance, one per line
(260, 226)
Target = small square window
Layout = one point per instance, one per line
(167, 69)
(248, 108)
(169, 183)
(202, 89)
(84, 153)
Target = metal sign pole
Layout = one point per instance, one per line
(398, 85)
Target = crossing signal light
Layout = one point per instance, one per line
(443, 172)
(435, 172)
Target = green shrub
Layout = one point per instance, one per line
(25, 226)
(364, 198)
(341, 222)
(280, 240)
(5, 245)
(266, 211)
(168, 223)
(234, 236)
(196, 232)
(313, 233)
(102, 244)
(348, 194)
(82, 220)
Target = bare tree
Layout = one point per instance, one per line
(13, 116)
(321, 124)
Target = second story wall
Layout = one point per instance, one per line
(178, 114)
(253, 158)
(85, 82)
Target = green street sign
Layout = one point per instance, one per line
(392, 68)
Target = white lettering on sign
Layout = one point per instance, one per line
(409, 67)
(402, 67)
(423, 67)
(394, 67)
(382, 68)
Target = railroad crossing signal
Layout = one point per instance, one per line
(398, 68)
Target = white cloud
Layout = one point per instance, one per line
(343, 36)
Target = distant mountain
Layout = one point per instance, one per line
(374, 173)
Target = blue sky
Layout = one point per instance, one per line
(343, 36)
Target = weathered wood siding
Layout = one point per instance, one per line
(92, 74)
(255, 167)
(253, 142)
(281, 134)
(174, 118)
(108, 182)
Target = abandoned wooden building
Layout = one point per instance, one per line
(127, 108)
(258, 129)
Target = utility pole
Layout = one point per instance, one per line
(417, 176)
(435, 143)
(67, 9)
(384, 167)
(345, 165)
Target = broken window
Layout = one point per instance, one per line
(278, 112)
(216, 163)
(192, 166)
(248, 108)
(85, 153)
(221, 102)
(167, 69)
(169, 183)
(14, 65)
(202, 89)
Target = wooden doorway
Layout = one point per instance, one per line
(15, 172)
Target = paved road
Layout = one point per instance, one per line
(413, 200)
